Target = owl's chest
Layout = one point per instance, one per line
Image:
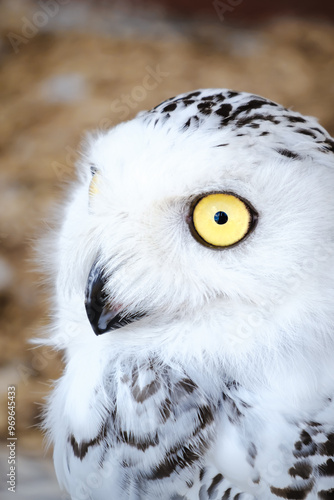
(159, 434)
(155, 434)
(161, 419)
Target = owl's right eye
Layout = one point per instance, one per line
(221, 220)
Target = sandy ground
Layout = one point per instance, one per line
(62, 81)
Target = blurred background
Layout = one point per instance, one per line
(68, 66)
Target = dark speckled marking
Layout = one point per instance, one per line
(165, 410)
(246, 120)
(295, 119)
(224, 110)
(187, 102)
(329, 145)
(193, 121)
(327, 448)
(164, 102)
(193, 94)
(305, 447)
(214, 97)
(170, 107)
(246, 108)
(326, 494)
(187, 385)
(213, 488)
(305, 438)
(314, 424)
(140, 444)
(81, 450)
(304, 452)
(140, 395)
(288, 154)
(304, 131)
(326, 469)
(205, 416)
(250, 111)
(232, 93)
(187, 124)
(226, 495)
(184, 457)
(205, 107)
(301, 469)
(234, 414)
(252, 453)
(252, 104)
(293, 493)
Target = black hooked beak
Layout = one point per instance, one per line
(101, 315)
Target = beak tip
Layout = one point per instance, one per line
(101, 316)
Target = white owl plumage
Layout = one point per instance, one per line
(210, 375)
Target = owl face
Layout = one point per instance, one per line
(205, 223)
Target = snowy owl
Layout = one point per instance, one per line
(194, 301)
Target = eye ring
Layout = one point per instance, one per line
(253, 219)
(93, 169)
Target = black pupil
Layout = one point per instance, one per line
(221, 217)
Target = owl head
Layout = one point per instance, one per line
(203, 227)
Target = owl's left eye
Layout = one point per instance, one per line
(94, 185)
(221, 220)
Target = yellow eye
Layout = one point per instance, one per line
(222, 219)
(94, 185)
